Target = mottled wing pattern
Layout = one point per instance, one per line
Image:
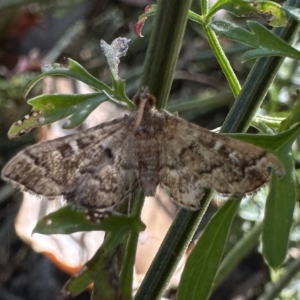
(193, 159)
(90, 168)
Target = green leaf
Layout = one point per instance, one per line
(50, 108)
(271, 143)
(282, 195)
(68, 220)
(74, 70)
(259, 37)
(270, 11)
(202, 265)
(279, 210)
(280, 203)
(257, 53)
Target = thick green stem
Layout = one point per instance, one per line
(170, 252)
(162, 55)
(164, 47)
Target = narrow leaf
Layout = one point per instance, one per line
(272, 143)
(202, 265)
(68, 220)
(279, 214)
(74, 70)
(280, 205)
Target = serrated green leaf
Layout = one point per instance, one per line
(50, 108)
(68, 220)
(270, 11)
(259, 37)
(202, 265)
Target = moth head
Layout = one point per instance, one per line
(144, 98)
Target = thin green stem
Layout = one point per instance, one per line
(204, 7)
(261, 126)
(271, 122)
(223, 61)
(128, 259)
(219, 53)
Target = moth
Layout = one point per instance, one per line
(100, 167)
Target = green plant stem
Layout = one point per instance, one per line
(219, 53)
(237, 253)
(261, 127)
(204, 7)
(164, 47)
(161, 59)
(128, 259)
(271, 122)
(291, 271)
(223, 61)
(162, 55)
(170, 252)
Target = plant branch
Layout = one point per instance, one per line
(162, 55)
(164, 47)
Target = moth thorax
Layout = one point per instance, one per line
(144, 102)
